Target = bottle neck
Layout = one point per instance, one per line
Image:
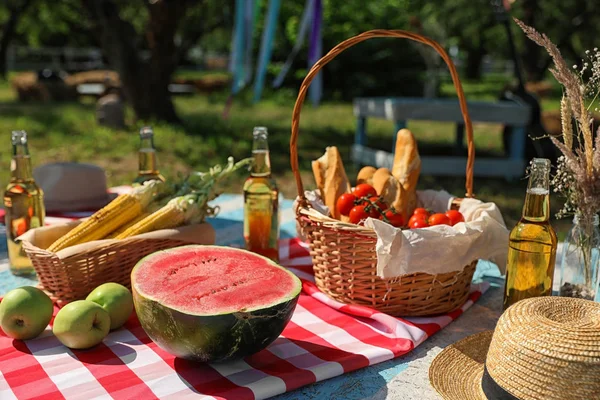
(261, 166)
(147, 156)
(20, 165)
(537, 200)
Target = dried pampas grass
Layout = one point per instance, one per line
(578, 170)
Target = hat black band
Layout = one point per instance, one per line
(492, 390)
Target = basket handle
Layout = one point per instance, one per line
(351, 42)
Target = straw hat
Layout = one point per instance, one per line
(542, 348)
(73, 186)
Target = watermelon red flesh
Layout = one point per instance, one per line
(199, 281)
(212, 303)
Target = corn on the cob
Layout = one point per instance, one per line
(118, 212)
(175, 213)
(123, 228)
(189, 208)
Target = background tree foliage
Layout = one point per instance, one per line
(154, 38)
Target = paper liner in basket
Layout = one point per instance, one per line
(436, 249)
(442, 248)
(43, 237)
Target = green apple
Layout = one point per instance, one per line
(81, 324)
(116, 299)
(25, 312)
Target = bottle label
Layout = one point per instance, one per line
(261, 222)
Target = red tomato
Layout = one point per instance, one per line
(416, 218)
(394, 219)
(378, 201)
(358, 214)
(364, 190)
(418, 223)
(373, 212)
(345, 203)
(439, 219)
(455, 217)
(421, 210)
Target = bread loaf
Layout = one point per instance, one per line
(407, 163)
(331, 179)
(391, 190)
(407, 168)
(365, 175)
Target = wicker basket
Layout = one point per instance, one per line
(344, 257)
(72, 273)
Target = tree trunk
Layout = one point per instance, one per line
(535, 59)
(145, 82)
(8, 32)
(474, 62)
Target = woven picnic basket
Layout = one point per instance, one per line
(74, 275)
(343, 254)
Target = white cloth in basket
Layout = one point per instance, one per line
(442, 248)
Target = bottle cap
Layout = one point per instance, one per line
(146, 132)
(19, 137)
(542, 162)
(260, 131)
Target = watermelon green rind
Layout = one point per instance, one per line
(213, 337)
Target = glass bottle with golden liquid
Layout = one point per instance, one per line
(261, 201)
(148, 167)
(23, 204)
(532, 242)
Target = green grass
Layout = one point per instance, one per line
(68, 132)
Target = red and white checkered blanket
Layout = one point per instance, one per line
(324, 339)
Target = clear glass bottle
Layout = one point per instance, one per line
(261, 201)
(148, 166)
(532, 242)
(23, 204)
(580, 260)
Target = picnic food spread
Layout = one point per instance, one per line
(370, 247)
(210, 303)
(379, 193)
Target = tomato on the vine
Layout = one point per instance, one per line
(379, 203)
(358, 214)
(373, 212)
(418, 221)
(421, 210)
(438, 219)
(455, 217)
(364, 190)
(345, 203)
(393, 218)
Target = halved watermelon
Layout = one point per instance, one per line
(212, 303)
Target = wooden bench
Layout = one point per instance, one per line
(96, 89)
(401, 110)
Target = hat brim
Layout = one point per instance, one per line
(456, 371)
(79, 204)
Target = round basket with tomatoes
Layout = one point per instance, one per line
(363, 202)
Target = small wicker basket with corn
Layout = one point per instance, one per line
(72, 259)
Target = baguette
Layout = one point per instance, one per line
(407, 162)
(392, 192)
(365, 175)
(331, 179)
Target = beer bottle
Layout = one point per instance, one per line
(261, 201)
(532, 242)
(23, 204)
(148, 168)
